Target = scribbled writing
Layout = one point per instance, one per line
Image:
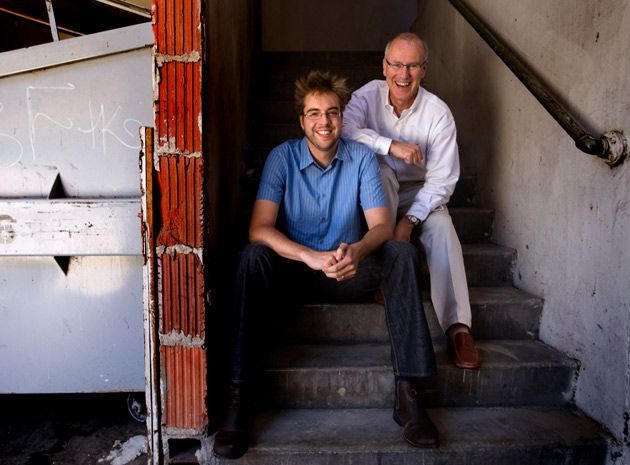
(55, 112)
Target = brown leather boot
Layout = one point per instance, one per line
(232, 438)
(410, 413)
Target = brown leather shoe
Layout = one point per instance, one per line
(232, 439)
(463, 352)
(409, 412)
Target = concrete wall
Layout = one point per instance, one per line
(333, 25)
(567, 214)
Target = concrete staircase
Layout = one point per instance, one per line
(329, 386)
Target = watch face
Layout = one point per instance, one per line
(412, 219)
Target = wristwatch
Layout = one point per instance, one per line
(413, 220)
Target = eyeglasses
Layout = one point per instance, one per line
(315, 115)
(412, 67)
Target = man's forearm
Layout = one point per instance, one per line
(279, 243)
(373, 240)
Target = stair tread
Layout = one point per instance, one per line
(485, 248)
(478, 296)
(498, 312)
(344, 435)
(494, 353)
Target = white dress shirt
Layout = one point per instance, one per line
(369, 118)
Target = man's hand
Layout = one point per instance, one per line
(403, 229)
(409, 152)
(346, 264)
(319, 261)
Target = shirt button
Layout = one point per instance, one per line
(321, 242)
(324, 195)
(323, 219)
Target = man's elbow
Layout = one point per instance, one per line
(254, 234)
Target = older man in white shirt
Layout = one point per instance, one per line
(414, 136)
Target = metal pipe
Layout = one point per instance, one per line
(611, 146)
(53, 23)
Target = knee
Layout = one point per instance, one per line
(438, 227)
(253, 256)
(401, 250)
(439, 220)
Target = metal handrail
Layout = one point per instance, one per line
(611, 146)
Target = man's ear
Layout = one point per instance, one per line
(384, 68)
(302, 122)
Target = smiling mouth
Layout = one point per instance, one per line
(403, 84)
(323, 133)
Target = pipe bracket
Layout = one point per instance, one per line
(617, 150)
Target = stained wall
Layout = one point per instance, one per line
(566, 213)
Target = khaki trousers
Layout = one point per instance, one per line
(449, 288)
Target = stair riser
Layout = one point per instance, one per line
(486, 268)
(472, 225)
(281, 87)
(509, 454)
(373, 387)
(366, 323)
(346, 59)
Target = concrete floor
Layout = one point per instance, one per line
(70, 429)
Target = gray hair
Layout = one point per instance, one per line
(408, 37)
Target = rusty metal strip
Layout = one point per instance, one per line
(152, 392)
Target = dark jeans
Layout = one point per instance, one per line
(264, 279)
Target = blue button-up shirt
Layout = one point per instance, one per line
(321, 208)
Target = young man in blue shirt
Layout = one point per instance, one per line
(306, 240)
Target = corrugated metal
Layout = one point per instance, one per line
(178, 29)
(182, 294)
(185, 386)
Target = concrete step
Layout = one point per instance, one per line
(339, 59)
(280, 86)
(516, 372)
(471, 436)
(279, 70)
(497, 312)
(472, 224)
(486, 265)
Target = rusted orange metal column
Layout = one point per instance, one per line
(179, 161)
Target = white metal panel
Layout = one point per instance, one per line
(80, 332)
(78, 49)
(66, 227)
(81, 120)
(70, 115)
